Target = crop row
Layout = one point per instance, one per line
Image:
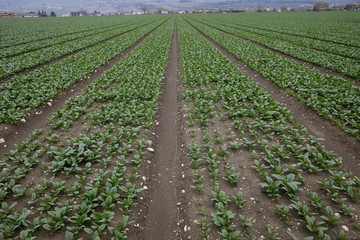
(262, 135)
(337, 49)
(345, 65)
(25, 92)
(332, 97)
(28, 60)
(101, 159)
(27, 47)
(22, 31)
(323, 27)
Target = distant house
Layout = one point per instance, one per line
(181, 12)
(6, 14)
(165, 12)
(31, 15)
(65, 15)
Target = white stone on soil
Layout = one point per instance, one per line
(2, 140)
(346, 229)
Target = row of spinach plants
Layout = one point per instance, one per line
(338, 63)
(323, 27)
(91, 176)
(32, 46)
(16, 32)
(291, 165)
(332, 97)
(23, 93)
(12, 65)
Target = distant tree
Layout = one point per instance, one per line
(144, 8)
(42, 13)
(160, 9)
(260, 8)
(322, 5)
(349, 6)
(52, 14)
(284, 8)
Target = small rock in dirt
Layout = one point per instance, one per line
(183, 191)
(49, 104)
(178, 204)
(150, 149)
(337, 214)
(23, 120)
(5, 146)
(144, 178)
(149, 142)
(145, 187)
(2, 140)
(346, 229)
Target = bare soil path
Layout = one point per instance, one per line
(166, 214)
(16, 133)
(335, 139)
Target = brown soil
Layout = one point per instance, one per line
(335, 139)
(166, 213)
(14, 134)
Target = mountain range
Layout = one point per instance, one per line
(113, 6)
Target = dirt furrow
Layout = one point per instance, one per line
(67, 55)
(307, 64)
(336, 140)
(166, 210)
(14, 134)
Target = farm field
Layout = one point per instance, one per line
(199, 126)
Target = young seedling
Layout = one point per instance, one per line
(246, 222)
(284, 212)
(239, 200)
(271, 234)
